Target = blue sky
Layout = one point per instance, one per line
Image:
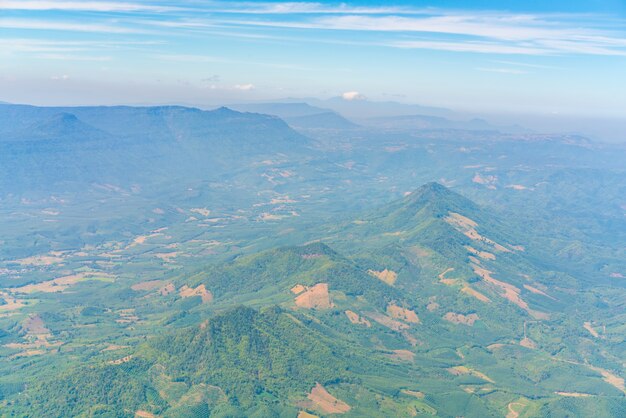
(549, 57)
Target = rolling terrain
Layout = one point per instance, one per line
(175, 262)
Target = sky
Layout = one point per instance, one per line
(534, 57)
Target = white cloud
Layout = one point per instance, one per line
(352, 95)
(244, 87)
(92, 6)
(63, 26)
(502, 70)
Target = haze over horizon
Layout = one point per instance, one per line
(566, 58)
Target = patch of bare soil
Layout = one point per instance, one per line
(187, 292)
(34, 325)
(402, 314)
(167, 289)
(321, 400)
(304, 414)
(40, 260)
(446, 281)
(460, 370)
(592, 331)
(432, 306)
(316, 297)
(121, 360)
(297, 289)
(62, 283)
(475, 293)
(386, 276)
(482, 254)
(574, 394)
(457, 318)
(536, 291)
(468, 228)
(528, 343)
(388, 322)
(10, 303)
(414, 393)
(147, 285)
(402, 355)
(509, 292)
(357, 319)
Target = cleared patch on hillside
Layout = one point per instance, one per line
(482, 254)
(386, 276)
(304, 414)
(475, 293)
(10, 303)
(403, 314)
(457, 318)
(508, 291)
(319, 399)
(536, 291)
(610, 378)
(41, 260)
(148, 285)
(144, 414)
(297, 289)
(357, 319)
(443, 279)
(461, 370)
(388, 322)
(468, 228)
(528, 343)
(63, 283)
(574, 394)
(415, 393)
(121, 360)
(402, 355)
(592, 331)
(316, 297)
(188, 292)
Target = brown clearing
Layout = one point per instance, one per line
(457, 318)
(385, 321)
(167, 257)
(460, 370)
(147, 285)
(387, 276)
(432, 306)
(574, 394)
(610, 378)
(316, 297)
(444, 280)
(29, 353)
(403, 355)
(40, 260)
(121, 360)
(510, 292)
(297, 289)
(304, 414)
(320, 399)
(512, 413)
(528, 343)
(467, 227)
(167, 289)
(537, 291)
(62, 283)
(482, 254)
(414, 393)
(34, 325)
(10, 303)
(495, 346)
(592, 331)
(356, 319)
(468, 290)
(187, 292)
(403, 314)
(114, 347)
(144, 414)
